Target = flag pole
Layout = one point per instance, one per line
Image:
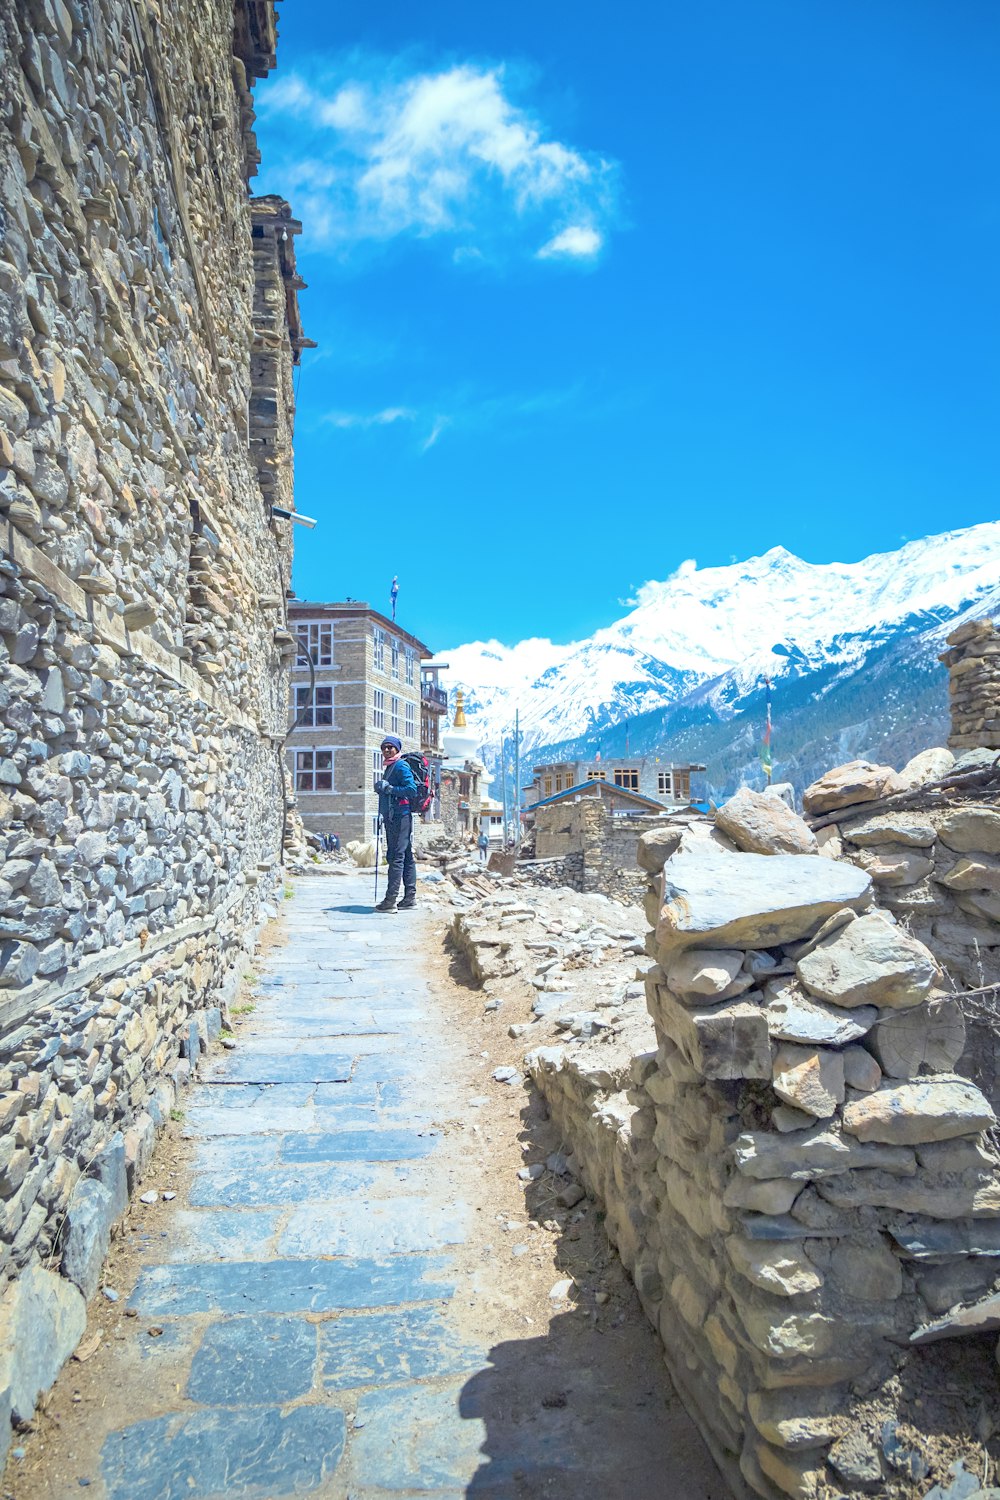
(517, 777)
(765, 754)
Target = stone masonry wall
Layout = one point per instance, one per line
(795, 1189)
(605, 845)
(142, 697)
(973, 662)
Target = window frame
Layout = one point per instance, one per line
(305, 765)
(632, 784)
(410, 721)
(312, 721)
(378, 708)
(378, 649)
(393, 714)
(314, 632)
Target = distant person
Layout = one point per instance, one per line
(483, 845)
(335, 843)
(395, 789)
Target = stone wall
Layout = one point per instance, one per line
(973, 662)
(605, 845)
(794, 1176)
(142, 584)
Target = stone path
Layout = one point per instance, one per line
(312, 1295)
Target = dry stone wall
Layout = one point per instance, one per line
(142, 586)
(973, 662)
(793, 1194)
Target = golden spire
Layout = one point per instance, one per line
(459, 722)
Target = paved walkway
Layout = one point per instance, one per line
(313, 1342)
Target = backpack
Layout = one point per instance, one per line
(421, 800)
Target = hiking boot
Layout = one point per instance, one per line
(386, 905)
(407, 903)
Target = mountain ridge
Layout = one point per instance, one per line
(691, 656)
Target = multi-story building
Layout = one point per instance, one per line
(366, 682)
(672, 785)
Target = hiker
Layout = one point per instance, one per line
(483, 845)
(395, 788)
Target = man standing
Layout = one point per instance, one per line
(395, 788)
(483, 844)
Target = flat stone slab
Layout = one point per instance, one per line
(287, 1067)
(257, 1096)
(247, 1187)
(223, 1234)
(385, 1348)
(933, 1109)
(373, 1227)
(356, 1145)
(720, 900)
(793, 1016)
(981, 1317)
(242, 1454)
(255, 1361)
(286, 1286)
(929, 1239)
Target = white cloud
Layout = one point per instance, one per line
(440, 423)
(383, 418)
(379, 155)
(578, 240)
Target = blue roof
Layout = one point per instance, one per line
(575, 791)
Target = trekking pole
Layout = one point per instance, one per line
(378, 830)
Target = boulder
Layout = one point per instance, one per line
(709, 974)
(909, 1113)
(869, 962)
(858, 781)
(809, 1078)
(657, 845)
(759, 824)
(897, 867)
(727, 1041)
(783, 1269)
(808, 1154)
(719, 900)
(971, 830)
(929, 765)
(42, 1319)
(792, 1016)
(88, 1232)
(982, 874)
(905, 828)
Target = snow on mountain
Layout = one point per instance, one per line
(728, 626)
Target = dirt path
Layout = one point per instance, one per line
(353, 1294)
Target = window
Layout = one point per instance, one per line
(377, 762)
(395, 659)
(682, 785)
(394, 715)
(316, 637)
(548, 786)
(410, 728)
(663, 784)
(428, 729)
(319, 713)
(314, 770)
(629, 779)
(597, 775)
(379, 714)
(379, 655)
(409, 666)
(559, 781)
(570, 779)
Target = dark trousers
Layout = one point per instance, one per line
(399, 856)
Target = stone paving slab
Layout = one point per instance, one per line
(289, 1285)
(358, 1349)
(368, 1227)
(390, 1144)
(243, 1454)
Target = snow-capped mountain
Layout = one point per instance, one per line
(685, 667)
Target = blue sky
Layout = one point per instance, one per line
(598, 290)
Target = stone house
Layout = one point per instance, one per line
(148, 329)
(367, 682)
(671, 785)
